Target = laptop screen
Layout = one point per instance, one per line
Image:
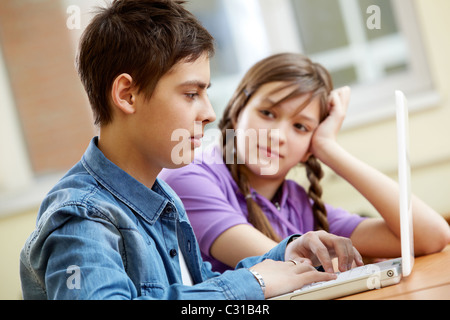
(404, 179)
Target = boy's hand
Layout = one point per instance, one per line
(321, 247)
(309, 250)
(284, 277)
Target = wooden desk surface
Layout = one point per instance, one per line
(429, 280)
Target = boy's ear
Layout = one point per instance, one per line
(123, 94)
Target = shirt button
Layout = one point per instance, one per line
(173, 253)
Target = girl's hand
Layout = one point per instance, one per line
(327, 131)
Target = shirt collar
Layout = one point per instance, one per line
(148, 203)
(284, 194)
(282, 201)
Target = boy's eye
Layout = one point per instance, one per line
(191, 96)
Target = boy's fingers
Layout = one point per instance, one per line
(345, 254)
(322, 253)
(316, 276)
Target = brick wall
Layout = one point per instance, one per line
(52, 106)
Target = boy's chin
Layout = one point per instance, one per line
(180, 163)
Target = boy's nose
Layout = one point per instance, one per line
(207, 114)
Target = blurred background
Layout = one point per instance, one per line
(374, 46)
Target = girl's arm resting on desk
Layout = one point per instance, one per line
(240, 242)
(431, 232)
(314, 248)
(376, 238)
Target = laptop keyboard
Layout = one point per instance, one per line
(343, 276)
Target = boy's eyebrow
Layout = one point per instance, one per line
(196, 83)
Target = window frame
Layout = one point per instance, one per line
(372, 101)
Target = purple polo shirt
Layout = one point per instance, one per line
(214, 204)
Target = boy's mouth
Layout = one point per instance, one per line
(196, 140)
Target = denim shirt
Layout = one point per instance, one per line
(101, 234)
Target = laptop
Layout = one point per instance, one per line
(386, 273)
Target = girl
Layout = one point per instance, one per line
(288, 102)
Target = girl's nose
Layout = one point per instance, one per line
(277, 135)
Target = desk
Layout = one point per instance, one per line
(429, 280)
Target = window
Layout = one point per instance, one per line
(359, 49)
(372, 45)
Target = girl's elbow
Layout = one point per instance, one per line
(447, 238)
(437, 243)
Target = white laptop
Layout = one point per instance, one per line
(379, 275)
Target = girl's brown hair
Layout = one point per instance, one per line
(306, 78)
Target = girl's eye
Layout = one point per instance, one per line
(267, 113)
(301, 127)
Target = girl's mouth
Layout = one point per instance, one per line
(268, 152)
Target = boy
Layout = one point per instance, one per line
(110, 229)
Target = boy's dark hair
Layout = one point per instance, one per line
(143, 38)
